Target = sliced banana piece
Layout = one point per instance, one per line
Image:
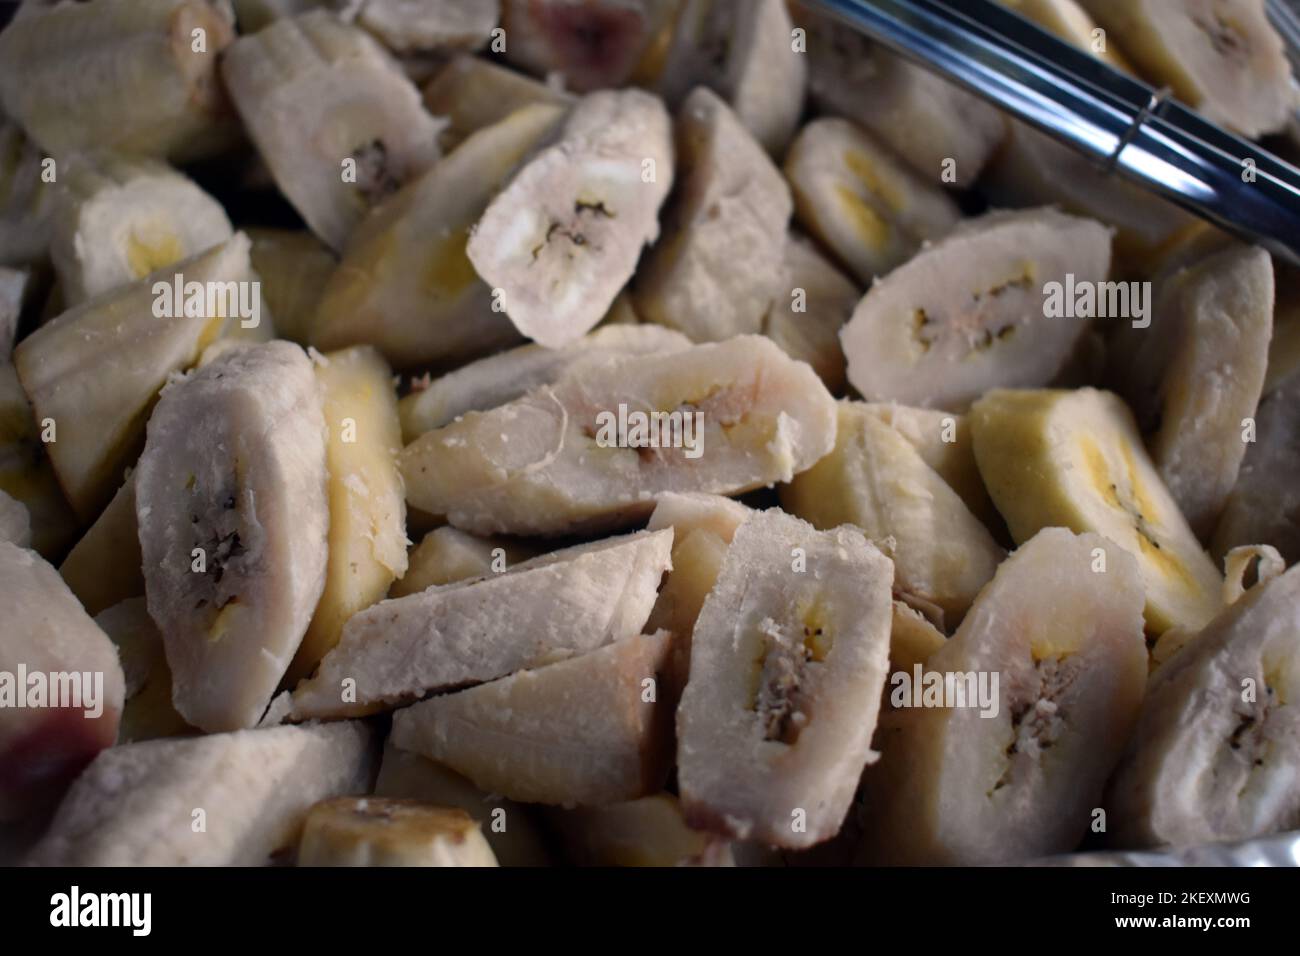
(294, 267)
(231, 497)
(912, 639)
(447, 555)
(16, 287)
(969, 313)
(650, 831)
(1221, 57)
(561, 604)
(63, 70)
(815, 301)
(27, 200)
(62, 685)
(877, 480)
(15, 522)
(104, 567)
(562, 459)
(1216, 754)
(405, 284)
(585, 731)
(788, 660)
(142, 804)
(332, 114)
(407, 25)
(1074, 459)
(1071, 22)
(148, 712)
(384, 831)
(473, 93)
(1013, 770)
(717, 267)
(854, 197)
(95, 370)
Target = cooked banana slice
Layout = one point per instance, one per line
(788, 660)
(493, 381)
(561, 604)
(120, 218)
(586, 731)
(406, 25)
(26, 200)
(717, 268)
(254, 15)
(510, 828)
(447, 555)
(473, 93)
(1074, 459)
(148, 712)
(991, 772)
(1221, 57)
(232, 799)
(61, 686)
(104, 568)
(646, 832)
(564, 236)
(877, 480)
(95, 370)
(1284, 347)
(1069, 21)
(405, 284)
(912, 640)
(231, 498)
(862, 204)
(383, 831)
(15, 522)
(969, 313)
(294, 267)
(334, 117)
(62, 70)
(1216, 754)
(816, 300)
(572, 456)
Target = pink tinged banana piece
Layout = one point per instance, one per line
(788, 660)
(1216, 753)
(560, 459)
(562, 239)
(970, 312)
(472, 93)
(717, 268)
(584, 731)
(650, 831)
(141, 804)
(561, 604)
(148, 711)
(851, 194)
(1065, 645)
(447, 555)
(407, 25)
(332, 114)
(384, 831)
(231, 498)
(814, 302)
(105, 568)
(61, 686)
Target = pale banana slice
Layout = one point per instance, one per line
(1238, 564)
(384, 831)
(104, 567)
(15, 522)
(294, 267)
(1221, 57)
(1071, 22)
(555, 461)
(510, 828)
(788, 660)
(61, 689)
(650, 831)
(120, 218)
(1014, 771)
(969, 313)
(95, 370)
(587, 731)
(405, 284)
(562, 239)
(1074, 459)
(1284, 347)
(148, 712)
(717, 267)
(15, 289)
(254, 15)
(232, 799)
(863, 205)
(912, 640)
(129, 76)
(473, 93)
(493, 381)
(231, 498)
(447, 555)
(561, 604)
(332, 114)
(1216, 754)
(406, 25)
(877, 480)
(805, 320)
(26, 198)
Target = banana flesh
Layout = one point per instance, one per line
(1069, 21)
(650, 831)
(385, 831)
(27, 203)
(15, 289)
(148, 712)
(15, 522)
(815, 301)
(473, 93)
(407, 25)
(447, 555)
(294, 267)
(104, 567)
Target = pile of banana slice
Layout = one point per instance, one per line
(627, 432)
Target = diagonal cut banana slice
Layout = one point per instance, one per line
(584, 731)
(293, 266)
(717, 267)
(385, 831)
(1069, 21)
(53, 649)
(405, 284)
(561, 604)
(27, 202)
(472, 93)
(105, 567)
(969, 313)
(1074, 459)
(650, 831)
(333, 116)
(408, 25)
(447, 555)
(562, 459)
(854, 197)
(815, 301)
(1011, 770)
(1216, 753)
(788, 660)
(63, 70)
(232, 504)
(148, 712)
(233, 799)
